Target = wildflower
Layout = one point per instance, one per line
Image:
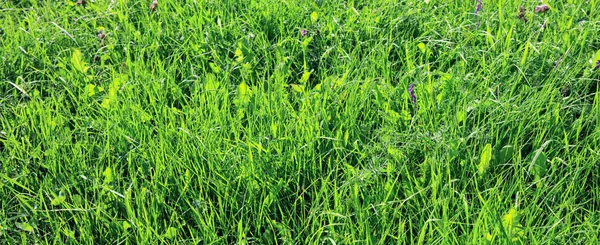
(303, 32)
(557, 62)
(81, 2)
(597, 64)
(522, 13)
(154, 5)
(566, 91)
(102, 37)
(478, 8)
(411, 91)
(541, 8)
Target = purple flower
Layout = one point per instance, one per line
(411, 91)
(541, 8)
(597, 65)
(478, 8)
(303, 32)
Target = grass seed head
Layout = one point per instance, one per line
(154, 5)
(81, 2)
(557, 62)
(522, 12)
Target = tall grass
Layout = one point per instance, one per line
(291, 122)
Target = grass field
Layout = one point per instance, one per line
(299, 122)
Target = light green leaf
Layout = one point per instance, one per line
(486, 156)
(306, 42)
(597, 56)
(25, 227)
(171, 233)
(105, 103)
(116, 84)
(314, 17)
(239, 55)
(214, 67)
(58, 200)
(297, 88)
(305, 77)
(90, 90)
(445, 76)
(510, 218)
(317, 87)
(421, 46)
(244, 91)
(211, 83)
(108, 175)
(244, 94)
(126, 225)
(77, 61)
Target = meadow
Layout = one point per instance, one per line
(299, 122)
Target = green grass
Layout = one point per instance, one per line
(217, 122)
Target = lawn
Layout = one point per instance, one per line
(299, 122)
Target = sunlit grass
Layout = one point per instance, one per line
(291, 122)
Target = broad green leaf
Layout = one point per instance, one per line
(314, 17)
(505, 154)
(317, 87)
(116, 84)
(239, 55)
(244, 94)
(105, 103)
(510, 218)
(538, 162)
(421, 46)
(445, 76)
(126, 225)
(108, 175)
(486, 156)
(460, 116)
(211, 84)
(510, 222)
(305, 77)
(171, 233)
(597, 56)
(539, 165)
(58, 200)
(214, 67)
(90, 90)
(297, 88)
(25, 227)
(306, 42)
(244, 91)
(77, 61)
